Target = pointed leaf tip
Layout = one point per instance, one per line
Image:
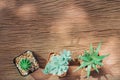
(98, 48)
(91, 48)
(88, 71)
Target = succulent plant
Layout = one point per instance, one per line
(91, 59)
(66, 55)
(25, 64)
(58, 64)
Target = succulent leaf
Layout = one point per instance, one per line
(84, 64)
(98, 48)
(94, 67)
(88, 70)
(66, 55)
(91, 49)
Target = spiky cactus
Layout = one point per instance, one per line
(25, 64)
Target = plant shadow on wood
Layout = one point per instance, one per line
(42, 62)
(99, 75)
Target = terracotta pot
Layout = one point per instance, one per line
(39, 75)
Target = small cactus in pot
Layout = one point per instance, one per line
(26, 63)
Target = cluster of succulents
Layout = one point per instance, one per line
(58, 64)
(91, 59)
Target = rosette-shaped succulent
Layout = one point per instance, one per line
(91, 59)
(66, 55)
(58, 64)
(25, 64)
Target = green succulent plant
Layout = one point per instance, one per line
(58, 64)
(25, 64)
(91, 59)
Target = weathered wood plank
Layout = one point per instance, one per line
(52, 25)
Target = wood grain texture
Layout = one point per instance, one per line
(44, 26)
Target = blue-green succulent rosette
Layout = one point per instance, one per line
(58, 64)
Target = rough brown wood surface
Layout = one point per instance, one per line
(44, 26)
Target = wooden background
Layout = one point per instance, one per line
(44, 26)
